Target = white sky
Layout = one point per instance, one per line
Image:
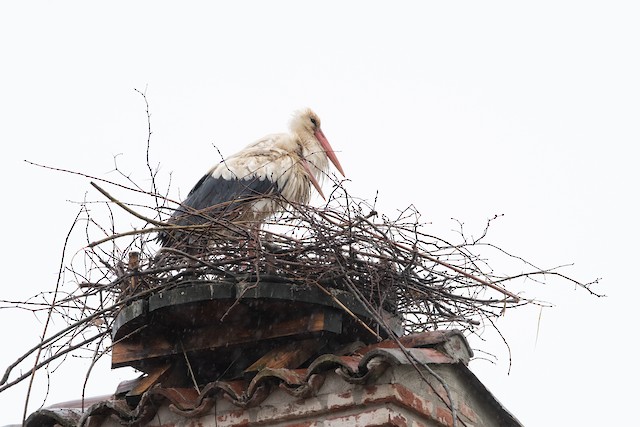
(464, 109)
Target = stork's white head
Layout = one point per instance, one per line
(305, 122)
(305, 125)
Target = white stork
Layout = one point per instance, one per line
(241, 188)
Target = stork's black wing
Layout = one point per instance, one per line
(217, 198)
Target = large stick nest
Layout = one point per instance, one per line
(387, 264)
(345, 245)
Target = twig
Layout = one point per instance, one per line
(48, 320)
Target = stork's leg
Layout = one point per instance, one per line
(252, 254)
(256, 244)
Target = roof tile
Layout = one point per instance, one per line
(363, 366)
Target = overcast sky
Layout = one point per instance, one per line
(463, 109)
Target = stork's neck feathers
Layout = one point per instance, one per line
(304, 126)
(313, 152)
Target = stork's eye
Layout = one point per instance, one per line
(314, 121)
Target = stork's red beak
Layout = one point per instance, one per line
(327, 148)
(312, 178)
